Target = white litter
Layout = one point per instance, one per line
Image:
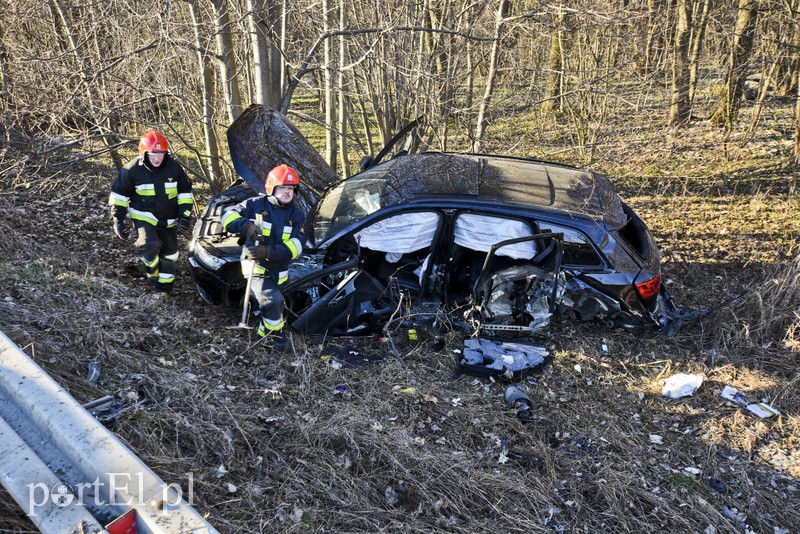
(761, 409)
(681, 385)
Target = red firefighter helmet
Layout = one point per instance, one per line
(153, 141)
(281, 175)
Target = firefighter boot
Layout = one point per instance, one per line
(281, 341)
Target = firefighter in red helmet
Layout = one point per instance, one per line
(154, 190)
(279, 239)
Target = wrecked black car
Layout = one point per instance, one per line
(491, 243)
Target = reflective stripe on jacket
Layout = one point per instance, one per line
(282, 230)
(156, 195)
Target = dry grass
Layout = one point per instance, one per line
(768, 314)
(291, 443)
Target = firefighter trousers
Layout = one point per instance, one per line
(270, 303)
(159, 250)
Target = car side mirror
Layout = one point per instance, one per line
(365, 162)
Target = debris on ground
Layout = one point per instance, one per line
(109, 407)
(761, 409)
(516, 397)
(93, 372)
(488, 357)
(681, 385)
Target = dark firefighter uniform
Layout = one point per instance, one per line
(156, 198)
(283, 233)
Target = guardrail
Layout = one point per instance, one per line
(68, 472)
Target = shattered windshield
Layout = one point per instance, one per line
(349, 201)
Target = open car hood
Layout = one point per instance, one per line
(261, 139)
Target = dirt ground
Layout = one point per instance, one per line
(350, 435)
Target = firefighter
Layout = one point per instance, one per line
(154, 190)
(279, 240)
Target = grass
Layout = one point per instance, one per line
(293, 443)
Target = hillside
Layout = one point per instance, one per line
(292, 443)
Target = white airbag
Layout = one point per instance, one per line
(400, 234)
(480, 232)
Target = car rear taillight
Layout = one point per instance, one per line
(649, 288)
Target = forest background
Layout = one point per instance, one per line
(690, 106)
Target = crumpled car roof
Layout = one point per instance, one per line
(505, 179)
(262, 138)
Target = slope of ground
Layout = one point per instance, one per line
(294, 443)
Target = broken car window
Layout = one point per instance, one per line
(635, 234)
(578, 251)
(347, 202)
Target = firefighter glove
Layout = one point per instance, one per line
(255, 252)
(121, 229)
(184, 226)
(252, 232)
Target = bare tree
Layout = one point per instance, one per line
(700, 11)
(329, 20)
(741, 46)
(5, 93)
(263, 17)
(276, 26)
(591, 62)
(92, 105)
(491, 76)
(796, 141)
(654, 40)
(340, 90)
(94, 71)
(789, 58)
(213, 170)
(555, 68)
(227, 60)
(680, 107)
(258, 37)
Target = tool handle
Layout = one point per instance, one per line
(246, 306)
(260, 224)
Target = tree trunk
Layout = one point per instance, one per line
(343, 155)
(728, 106)
(277, 65)
(758, 105)
(422, 83)
(790, 66)
(680, 110)
(552, 87)
(797, 123)
(653, 40)
(227, 63)
(212, 165)
(435, 17)
(265, 23)
(256, 15)
(329, 12)
(470, 77)
(365, 124)
(283, 40)
(700, 21)
(491, 75)
(6, 100)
